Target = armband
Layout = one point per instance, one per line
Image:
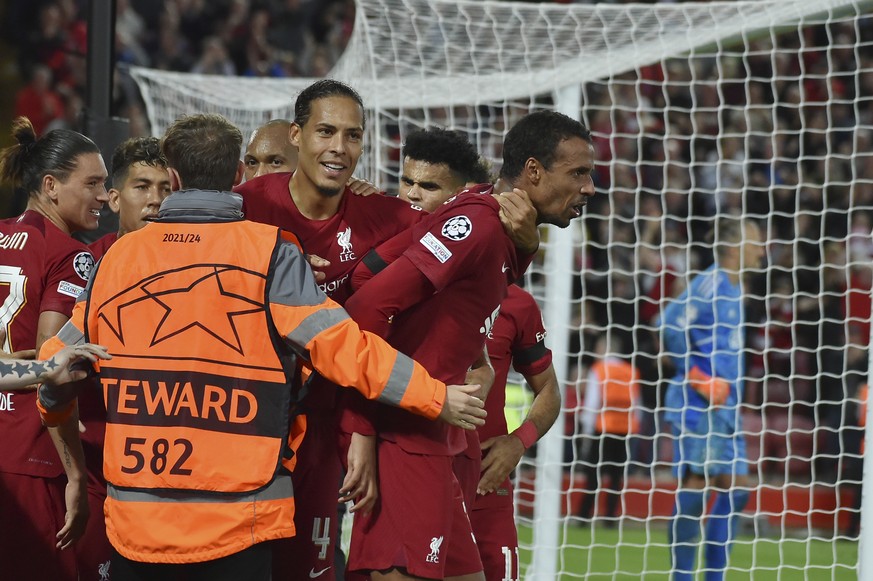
(527, 433)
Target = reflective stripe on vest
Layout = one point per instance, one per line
(279, 489)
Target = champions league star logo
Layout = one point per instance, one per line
(344, 239)
(82, 264)
(457, 228)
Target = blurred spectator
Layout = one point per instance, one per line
(214, 59)
(38, 101)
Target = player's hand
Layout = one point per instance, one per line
(519, 219)
(713, 388)
(76, 517)
(462, 408)
(318, 265)
(361, 187)
(502, 454)
(360, 484)
(483, 376)
(72, 363)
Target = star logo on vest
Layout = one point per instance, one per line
(344, 239)
(196, 299)
(434, 556)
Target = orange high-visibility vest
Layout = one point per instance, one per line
(619, 385)
(197, 392)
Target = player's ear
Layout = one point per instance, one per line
(240, 172)
(294, 135)
(533, 170)
(50, 186)
(114, 196)
(175, 181)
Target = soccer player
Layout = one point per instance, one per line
(140, 182)
(43, 269)
(703, 335)
(207, 316)
(316, 203)
(439, 300)
(436, 164)
(270, 150)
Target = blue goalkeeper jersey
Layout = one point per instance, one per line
(704, 327)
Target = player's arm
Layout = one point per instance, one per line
(701, 339)
(503, 453)
(398, 287)
(323, 333)
(20, 374)
(481, 373)
(68, 443)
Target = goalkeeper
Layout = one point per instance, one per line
(703, 335)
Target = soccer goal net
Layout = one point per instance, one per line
(756, 109)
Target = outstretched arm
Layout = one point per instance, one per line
(68, 365)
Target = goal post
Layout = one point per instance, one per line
(756, 108)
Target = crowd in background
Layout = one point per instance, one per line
(785, 140)
(275, 38)
(675, 148)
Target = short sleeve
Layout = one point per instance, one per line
(457, 243)
(66, 277)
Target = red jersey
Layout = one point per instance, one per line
(41, 269)
(99, 247)
(360, 224)
(468, 259)
(517, 337)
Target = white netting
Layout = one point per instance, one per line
(760, 109)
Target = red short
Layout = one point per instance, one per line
(419, 523)
(309, 554)
(467, 470)
(31, 513)
(494, 527)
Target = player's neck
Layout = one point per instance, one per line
(501, 185)
(309, 201)
(41, 206)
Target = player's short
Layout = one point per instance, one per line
(93, 551)
(467, 470)
(709, 453)
(494, 528)
(419, 523)
(31, 513)
(316, 477)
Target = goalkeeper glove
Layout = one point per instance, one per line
(714, 389)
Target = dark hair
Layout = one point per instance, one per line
(727, 232)
(441, 146)
(204, 149)
(145, 150)
(321, 90)
(56, 153)
(538, 135)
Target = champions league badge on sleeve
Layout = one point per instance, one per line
(83, 263)
(457, 228)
